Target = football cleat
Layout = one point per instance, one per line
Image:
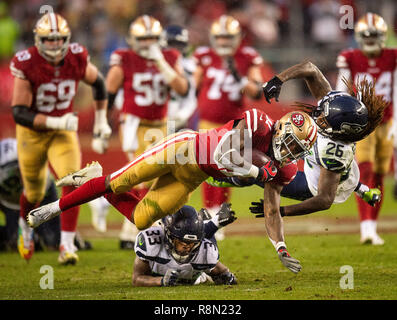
(42, 214)
(25, 239)
(67, 257)
(373, 196)
(78, 178)
(373, 239)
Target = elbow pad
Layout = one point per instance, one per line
(23, 115)
(99, 88)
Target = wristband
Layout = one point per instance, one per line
(278, 245)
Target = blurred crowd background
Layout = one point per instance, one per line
(283, 31)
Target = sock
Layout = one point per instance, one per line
(90, 190)
(67, 241)
(366, 177)
(70, 216)
(124, 202)
(378, 183)
(25, 206)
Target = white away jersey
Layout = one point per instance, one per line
(335, 156)
(150, 247)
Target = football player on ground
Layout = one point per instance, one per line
(45, 82)
(181, 162)
(180, 108)
(182, 251)
(225, 72)
(373, 62)
(146, 73)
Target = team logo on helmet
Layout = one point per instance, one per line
(298, 119)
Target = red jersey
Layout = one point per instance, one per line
(381, 69)
(53, 87)
(220, 99)
(145, 92)
(260, 129)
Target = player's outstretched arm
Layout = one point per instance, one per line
(142, 276)
(327, 185)
(314, 78)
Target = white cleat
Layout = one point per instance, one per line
(375, 240)
(42, 214)
(78, 178)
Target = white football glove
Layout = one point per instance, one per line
(68, 121)
(154, 53)
(101, 132)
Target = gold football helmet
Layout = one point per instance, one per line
(225, 35)
(144, 31)
(295, 133)
(53, 28)
(370, 33)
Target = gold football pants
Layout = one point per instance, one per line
(173, 165)
(36, 148)
(377, 149)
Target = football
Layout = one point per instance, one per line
(257, 158)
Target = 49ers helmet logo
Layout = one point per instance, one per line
(298, 119)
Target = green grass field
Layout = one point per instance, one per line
(105, 272)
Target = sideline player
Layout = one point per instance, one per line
(375, 63)
(181, 108)
(225, 73)
(46, 76)
(182, 251)
(181, 162)
(146, 73)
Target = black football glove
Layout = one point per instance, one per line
(170, 278)
(225, 215)
(272, 88)
(225, 278)
(258, 208)
(204, 214)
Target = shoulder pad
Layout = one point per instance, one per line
(76, 48)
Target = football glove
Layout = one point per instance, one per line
(372, 197)
(68, 121)
(204, 214)
(272, 89)
(225, 215)
(101, 132)
(170, 278)
(289, 262)
(258, 209)
(154, 53)
(267, 172)
(225, 278)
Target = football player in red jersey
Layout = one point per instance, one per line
(45, 82)
(225, 72)
(146, 73)
(373, 62)
(181, 162)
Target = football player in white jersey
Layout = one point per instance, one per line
(182, 251)
(330, 173)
